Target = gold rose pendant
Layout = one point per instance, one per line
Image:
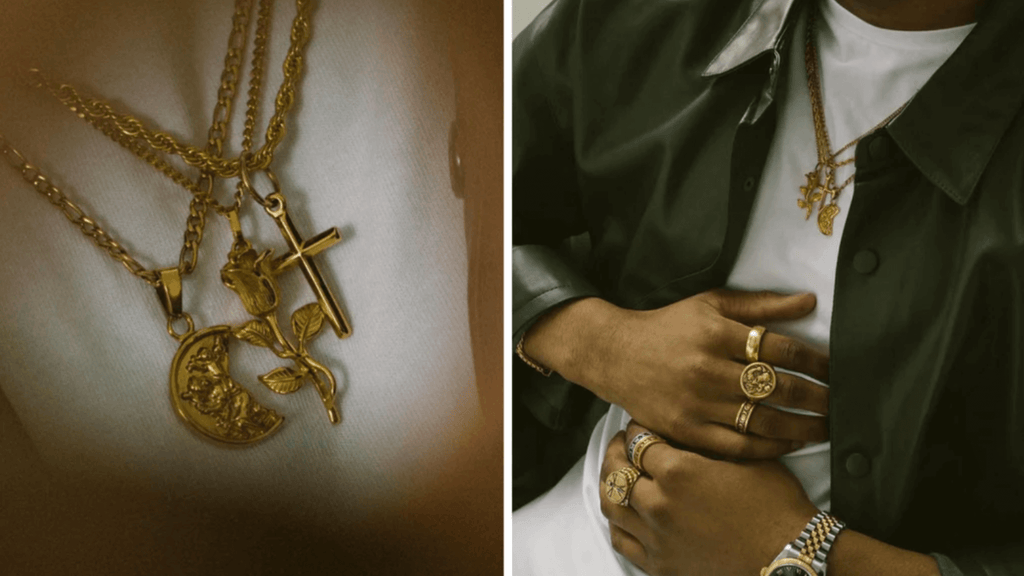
(202, 391)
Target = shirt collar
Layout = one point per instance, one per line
(951, 128)
(762, 31)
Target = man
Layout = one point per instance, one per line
(692, 143)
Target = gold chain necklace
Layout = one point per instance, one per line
(821, 182)
(202, 391)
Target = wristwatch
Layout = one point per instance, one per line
(806, 555)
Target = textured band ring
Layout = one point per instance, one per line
(636, 455)
(757, 381)
(743, 416)
(632, 444)
(754, 343)
(619, 484)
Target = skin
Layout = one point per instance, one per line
(700, 515)
(697, 515)
(914, 14)
(676, 369)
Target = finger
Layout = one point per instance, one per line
(792, 354)
(660, 460)
(777, 350)
(616, 447)
(727, 442)
(626, 517)
(761, 307)
(769, 422)
(628, 546)
(791, 391)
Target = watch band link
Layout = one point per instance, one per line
(817, 538)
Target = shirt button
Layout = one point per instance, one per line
(865, 261)
(879, 148)
(748, 184)
(858, 465)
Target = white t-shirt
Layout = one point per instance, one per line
(83, 349)
(563, 531)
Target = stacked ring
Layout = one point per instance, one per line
(743, 416)
(619, 484)
(639, 445)
(758, 379)
(632, 445)
(754, 343)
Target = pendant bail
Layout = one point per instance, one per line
(169, 291)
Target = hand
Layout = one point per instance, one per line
(677, 369)
(695, 515)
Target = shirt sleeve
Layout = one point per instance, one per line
(547, 208)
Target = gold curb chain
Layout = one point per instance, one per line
(821, 185)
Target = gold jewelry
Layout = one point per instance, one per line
(817, 537)
(521, 352)
(207, 160)
(637, 449)
(754, 343)
(619, 485)
(757, 381)
(743, 416)
(821, 185)
(202, 391)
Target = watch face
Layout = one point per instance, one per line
(790, 571)
(790, 567)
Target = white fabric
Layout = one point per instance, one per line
(83, 348)
(781, 251)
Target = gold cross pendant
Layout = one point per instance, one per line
(301, 253)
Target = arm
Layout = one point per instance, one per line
(693, 513)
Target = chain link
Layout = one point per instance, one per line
(74, 213)
(206, 160)
(132, 135)
(826, 158)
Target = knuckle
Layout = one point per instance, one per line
(769, 425)
(676, 470)
(618, 539)
(744, 448)
(700, 367)
(679, 428)
(793, 352)
(716, 331)
(793, 389)
(658, 511)
(606, 507)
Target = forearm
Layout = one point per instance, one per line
(573, 340)
(855, 554)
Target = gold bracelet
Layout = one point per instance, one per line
(530, 361)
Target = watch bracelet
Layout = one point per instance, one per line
(817, 539)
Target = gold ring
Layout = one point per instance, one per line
(754, 343)
(636, 455)
(743, 416)
(619, 484)
(757, 381)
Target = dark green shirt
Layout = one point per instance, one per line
(640, 130)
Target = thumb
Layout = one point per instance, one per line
(760, 307)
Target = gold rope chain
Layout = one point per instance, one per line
(218, 129)
(825, 158)
(820, 183)
(210, 161)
